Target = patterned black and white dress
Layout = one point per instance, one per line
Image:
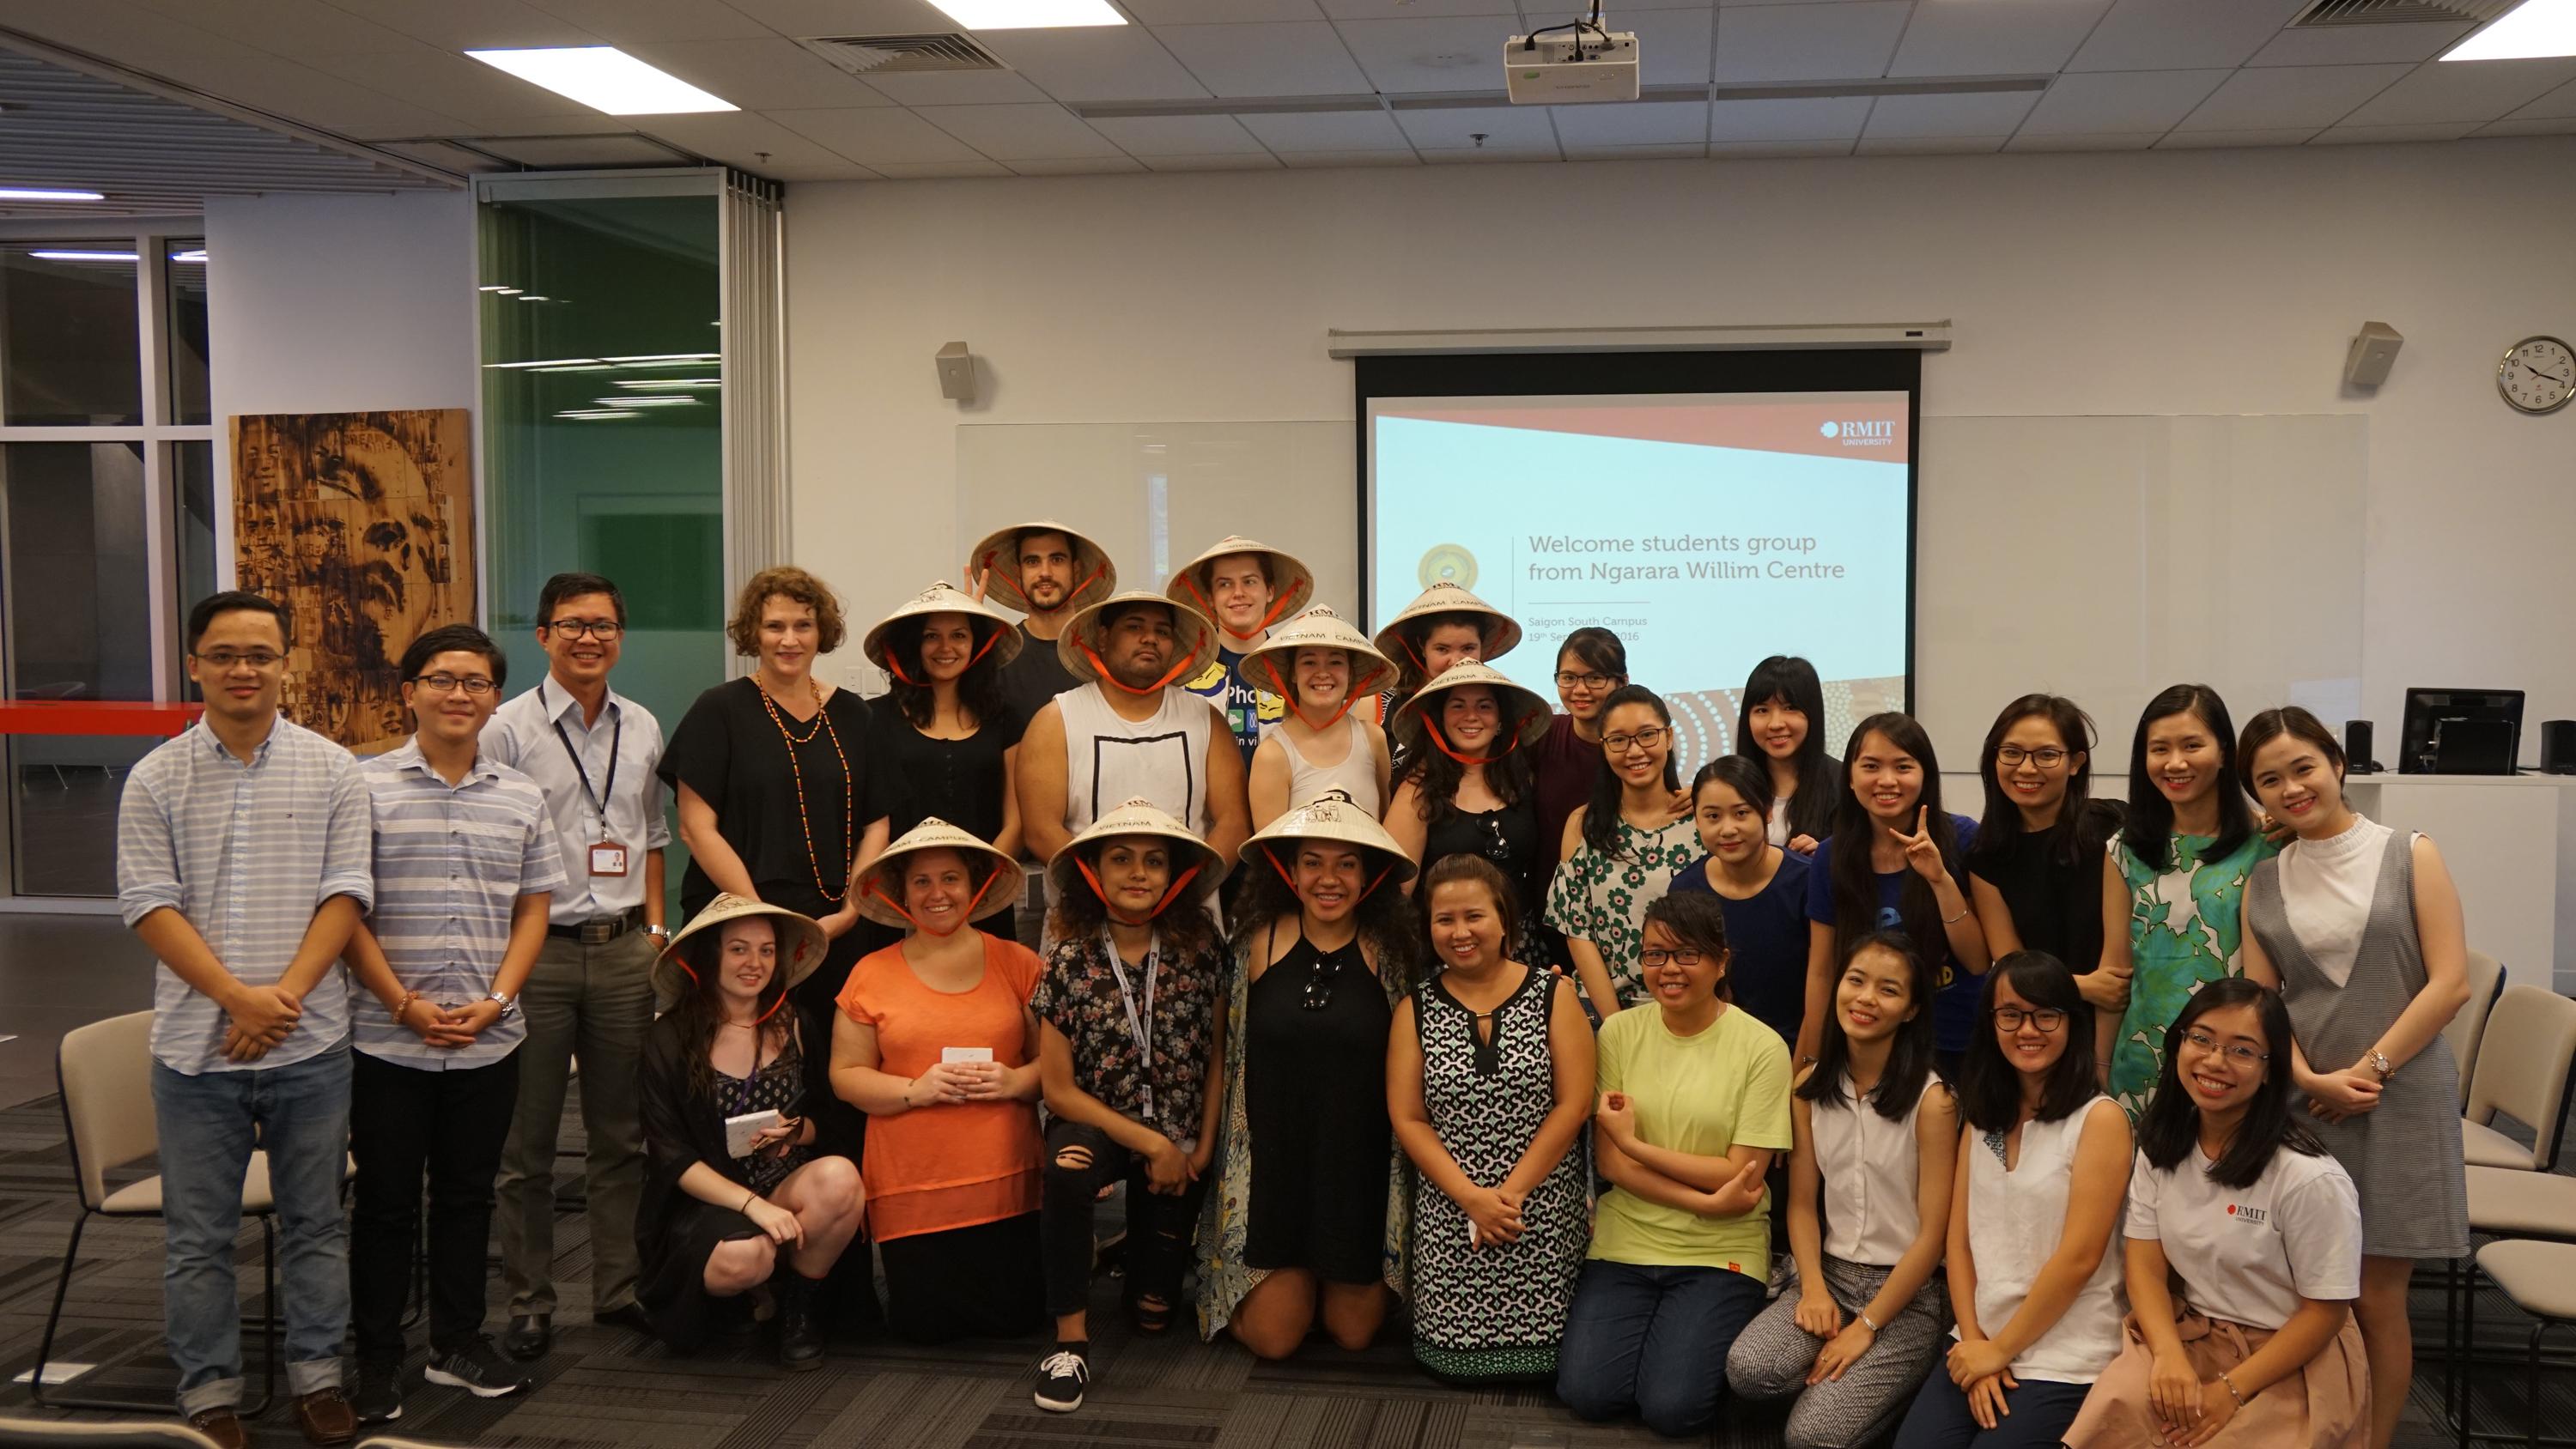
(1485, 1313)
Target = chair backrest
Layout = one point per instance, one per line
(74, 1434)
(105, 1069)
(2486, 978)
(2523, 1065)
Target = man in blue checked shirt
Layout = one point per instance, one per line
(466, 863)
(242, 861)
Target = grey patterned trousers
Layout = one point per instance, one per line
(1771, 1358)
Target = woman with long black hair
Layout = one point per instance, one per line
(2263, 1229)
(1622, 848)
(1893, 862)
(1782, 724)
(2035, 874)
(1467, 787)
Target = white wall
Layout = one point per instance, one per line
(2164, 282)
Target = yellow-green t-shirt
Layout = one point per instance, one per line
(1724, 1088)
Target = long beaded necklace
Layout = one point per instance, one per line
(823, 726)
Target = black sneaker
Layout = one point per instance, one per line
(478, 1369)
(377, 1396)
(1061, 1376)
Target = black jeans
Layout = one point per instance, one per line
(1159, 1226)
(404, 1124)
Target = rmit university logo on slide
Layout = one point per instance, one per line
(1863, 434)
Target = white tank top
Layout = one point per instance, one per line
(1872, 1170)
(1110, 759)
(1355, 776)
(2015, 1221)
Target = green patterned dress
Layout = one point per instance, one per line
(1602, 898)
(2185, 930)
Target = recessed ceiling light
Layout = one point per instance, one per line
(2531, 30)
(1029, 14)
(198, 255)
(604, 78)
(44, 193)
(51, 256)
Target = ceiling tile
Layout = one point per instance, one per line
(1637, 123)
(443, 155)
(1673, 151)
(1154, 136)
(1990, 114)
(769, 74)
(938, 170)
(1096, 63)
(292, 28)
(2278, 97)
(472, 24)
(807, 19)
(439, 80)
(2464, 90)
(1928, 145)
(331, 103)
(1232, 161)
(835, 169)
(1451, 53)
(1744, 149)
(958, 88)
(1327, 160)
(2087, 141)
(2366, 135)
(1488, 156)
(1295, 58)
(142, 38)
(1412, 9)
(1328, 131)
(879, 136)
(1675, 45)
(2182, 34)
(1041, 132)
(1814, 118)
(2207, 140)
(1505, 128)
(2553, 106)
(2359, 44)
(2112, 101)
(560, 151)
(1808, 42)
(1549, 12)
(1221, 12)
(630, 23)
(2536, 126)
(1076, 165)
(1995, 37)
(738, 138)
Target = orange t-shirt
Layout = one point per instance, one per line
(952, 1166)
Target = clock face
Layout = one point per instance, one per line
(2538, 375)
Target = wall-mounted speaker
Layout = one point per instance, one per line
(2373, 352)
(956, 373)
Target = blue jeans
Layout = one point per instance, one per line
(1652, 1340)
(301, 1117)
(2040, 1413)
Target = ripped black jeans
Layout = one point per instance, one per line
(1080, 1161)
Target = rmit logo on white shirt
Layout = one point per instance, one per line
(2253, 1215)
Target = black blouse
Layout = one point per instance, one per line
(730, 750)
(912, 776)
(2053, 887)
(683, 1127)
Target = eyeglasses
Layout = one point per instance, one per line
(603, 630)
(255, 658)
(2237, 1053)
(2047, 759)
(1319, 983)
(2010, 1018)
(1644, 739)
(474, 684)
(1567, 679)
(1654, 957)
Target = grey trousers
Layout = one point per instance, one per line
(594, 1002)
(1771, 1358)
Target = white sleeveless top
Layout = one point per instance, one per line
(2015, 1221)
(1355, 776)
(1110, 759)
(1872, 1172)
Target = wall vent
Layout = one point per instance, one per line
(902, 54)
(2328, 14)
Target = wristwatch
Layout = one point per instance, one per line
(508, 1005)
(2379, 1063)
(659, 933)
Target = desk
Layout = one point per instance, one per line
(2509, 841)
(96, 717)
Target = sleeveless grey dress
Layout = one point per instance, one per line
(2405, 1155)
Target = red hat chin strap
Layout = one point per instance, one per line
(761, 1019)
(1278, 606)
(1349, 697)
(1431, 732)
(1160, 906)
(1371, 889)
(1101, 667)
(1029, 605)
(965, 917)
(894, 661)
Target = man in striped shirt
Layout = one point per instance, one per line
(466, 865)
(242, 861)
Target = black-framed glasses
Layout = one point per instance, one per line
(1655, 958)
(2047, 758)
(474, 684)
(1644, 739)
(603, 630)
(229, 658)
(2011, 1018)
(2237, 1053)
(1319, 983)
(1568, 679)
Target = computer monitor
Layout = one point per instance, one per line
(2460, 732)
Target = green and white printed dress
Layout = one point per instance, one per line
(1603, 898)
(2186, 927)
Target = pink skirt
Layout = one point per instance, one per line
(2325, 1405)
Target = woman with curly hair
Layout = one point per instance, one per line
(1308, 1219)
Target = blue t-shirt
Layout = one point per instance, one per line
(1954, 996)
(1766, 936)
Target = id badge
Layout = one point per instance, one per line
(608, 858)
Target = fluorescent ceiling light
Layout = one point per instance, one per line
(548, 362)
(84, 256)
(605, 79)
(198, 255)
(533, 297)
(577, 367)
(1029, 14)
(659, 383)
(595, 414)
(648, 402)
(668, 357)
(43, 193)
(2531, 30)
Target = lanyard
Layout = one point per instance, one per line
(1140, 1027)
(616, 738)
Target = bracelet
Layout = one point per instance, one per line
(747, 1200)
(2231, 1390)
(404, 1007)
(1866, 1321)
(1954, 920)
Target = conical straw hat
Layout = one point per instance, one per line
(1525, 707)
(996, 559)
(1317, 628)
(994, 634)
(1140, 817)
(1292, 584)
(1501, 630)
(801, 945)
(880, 886)
(1329, 816)
(1195, 636)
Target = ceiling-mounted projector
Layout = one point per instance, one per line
(1570, 64)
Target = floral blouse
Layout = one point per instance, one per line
(1602, 898)
(1078, 995)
